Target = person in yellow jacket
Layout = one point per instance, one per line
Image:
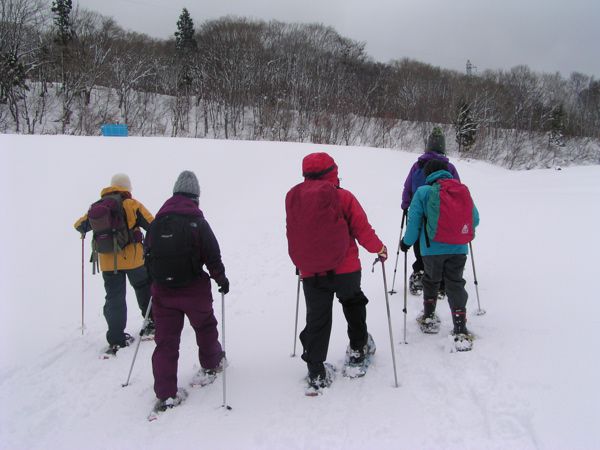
(129, 264)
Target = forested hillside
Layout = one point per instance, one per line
(67, 71)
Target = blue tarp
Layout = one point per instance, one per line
(114, 129)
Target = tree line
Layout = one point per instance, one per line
(233, 77)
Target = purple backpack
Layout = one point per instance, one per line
(109, 225)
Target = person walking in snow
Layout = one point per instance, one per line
(435, 149)
(178, 245)
(342, 280)
(442, 261)
(117, 264)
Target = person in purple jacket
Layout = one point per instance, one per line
(435, 149)
(190, 296)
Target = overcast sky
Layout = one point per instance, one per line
(546, 35)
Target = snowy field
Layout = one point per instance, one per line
(531, 381)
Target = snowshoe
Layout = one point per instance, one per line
(112, 350)
(147, 333)
(461, 342)
(415, 282)
(429, 324)
(316, 385)
(358, 361)
(169, 403)
(204, 377)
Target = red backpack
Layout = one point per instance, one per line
(317, 232)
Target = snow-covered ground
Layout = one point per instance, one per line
(531, 381)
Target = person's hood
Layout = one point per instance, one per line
(438, 175)
(180, 204)
(320, 166)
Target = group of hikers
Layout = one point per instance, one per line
(170, 269)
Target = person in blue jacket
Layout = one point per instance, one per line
(442, 261)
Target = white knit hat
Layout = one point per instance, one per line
(121, 180)
(187, 183)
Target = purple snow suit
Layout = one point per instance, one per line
(170, 305)
(416, 177)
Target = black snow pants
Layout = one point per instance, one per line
(319, 292)
(115, 307)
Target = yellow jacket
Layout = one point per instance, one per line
(132, 256)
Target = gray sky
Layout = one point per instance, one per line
(546, 35)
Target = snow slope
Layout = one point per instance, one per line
(530, 382)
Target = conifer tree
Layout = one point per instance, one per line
(465, 127)
(62, 20)
(184, 36)
(557, 125)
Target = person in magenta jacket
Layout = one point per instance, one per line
(435, 149)
(319, 289)
(195, 301)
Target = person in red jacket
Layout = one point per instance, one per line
(344, 282)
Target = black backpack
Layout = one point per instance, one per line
(171, 254)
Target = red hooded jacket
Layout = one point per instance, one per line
(358, 224)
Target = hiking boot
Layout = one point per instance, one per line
(429, 324)
(206, 376)
(415, 282)
(357, 357)
(459, 319)
(170, 402)
(321, 380)
(129, 339)
(148, 331)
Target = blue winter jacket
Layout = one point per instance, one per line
(415, 228)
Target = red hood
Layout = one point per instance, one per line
(320, 166)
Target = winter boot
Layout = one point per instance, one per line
(129, 339)
(171, 402)
(148, 331)
(428, 320)
(357, 357)
(415, 282)
(463, 339)
(317, 381)
(207, 376)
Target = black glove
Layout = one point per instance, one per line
(224, 286)
(403, 246)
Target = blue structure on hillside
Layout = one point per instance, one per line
(115, 129)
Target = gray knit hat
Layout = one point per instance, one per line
(436, 141)
(187, 184)
(121, 180)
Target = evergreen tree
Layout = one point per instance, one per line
(12, 75)
(465, 127)
(184, 36)
(62, 20)
(557, 125)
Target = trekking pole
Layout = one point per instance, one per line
(392, 292)
(82, 281)
(405, 295)
(137, 347)
(480, 312)
(224, 405)
(296, 323)
(387, 304)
